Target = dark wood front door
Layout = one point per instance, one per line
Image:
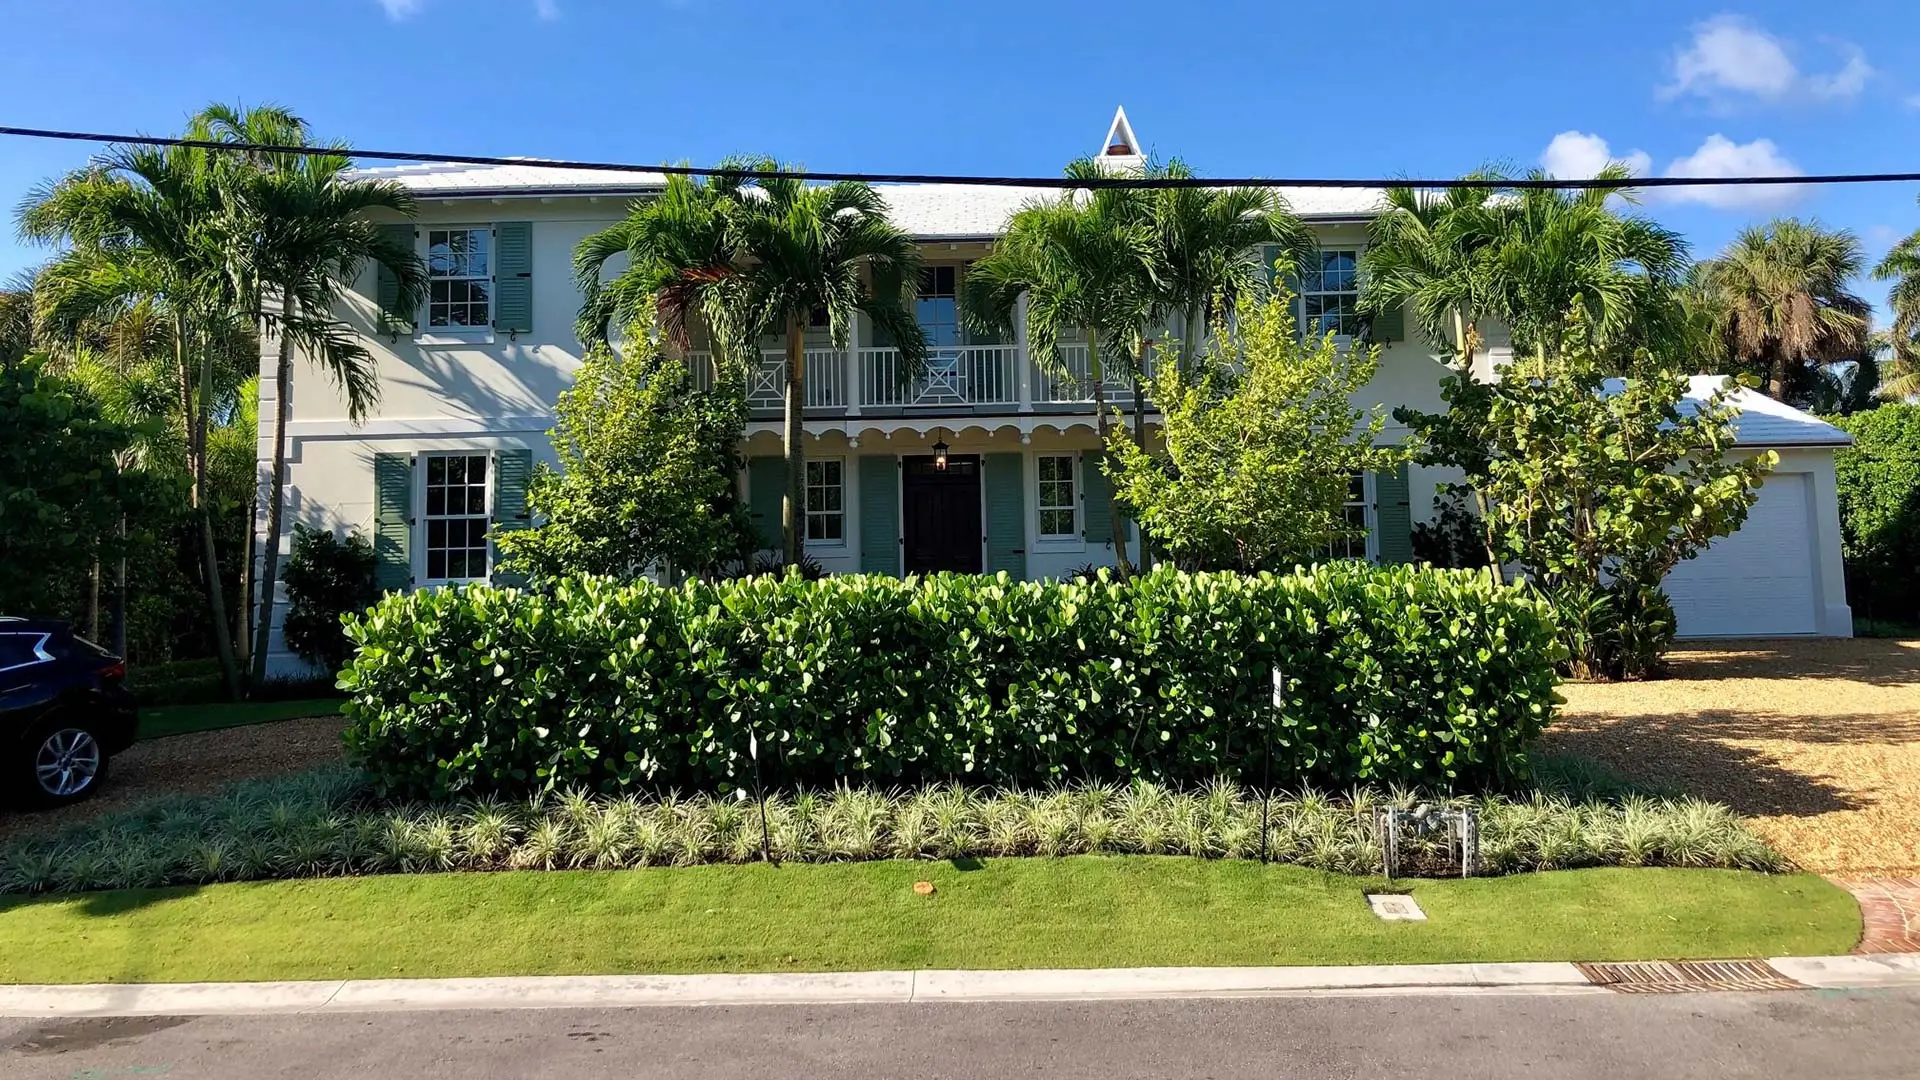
(940, 514)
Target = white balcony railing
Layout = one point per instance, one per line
(960, 375)
(1071, 384)
(767, 383)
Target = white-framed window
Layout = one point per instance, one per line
(826, 501)
(1358, 511)
(1057, 496)
(460, 278)
(937, 309)
(1330, 293)
(457, 495)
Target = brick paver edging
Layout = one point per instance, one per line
(1889, 913)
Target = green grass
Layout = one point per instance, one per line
(1076, 912)
(160, 721)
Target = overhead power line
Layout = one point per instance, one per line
(975, 181)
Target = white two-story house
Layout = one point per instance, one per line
(468, 384)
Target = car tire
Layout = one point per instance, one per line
(60, 763)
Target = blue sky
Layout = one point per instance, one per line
(1366, 87)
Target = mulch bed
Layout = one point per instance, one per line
(187, 764)
(1816, 742)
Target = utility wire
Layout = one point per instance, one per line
(1483, 182)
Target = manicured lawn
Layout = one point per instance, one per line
(1078, 912)
(157, 722)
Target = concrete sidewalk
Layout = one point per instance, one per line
(873, 987)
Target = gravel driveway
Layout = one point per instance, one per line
(1817, 741)
(204, 761)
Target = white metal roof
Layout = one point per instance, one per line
(447, 181)
(1762, 421)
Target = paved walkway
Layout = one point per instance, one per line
(1889, 912)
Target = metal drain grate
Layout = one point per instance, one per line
(1687, 976)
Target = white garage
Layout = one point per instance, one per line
(1780, 574)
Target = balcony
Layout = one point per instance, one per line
(961, 380)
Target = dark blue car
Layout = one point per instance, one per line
(64, 712)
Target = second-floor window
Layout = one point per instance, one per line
(937, 309)
(460, 279)
(826, 502)
(1330, 293)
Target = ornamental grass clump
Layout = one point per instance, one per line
(329, 823)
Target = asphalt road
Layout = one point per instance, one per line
(1829, 1035)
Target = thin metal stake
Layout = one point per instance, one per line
(760, 794)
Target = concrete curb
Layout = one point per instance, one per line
(871, 987)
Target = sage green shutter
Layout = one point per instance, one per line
(386, 289)
(512, 469)
(879, 514)
(1392, 516)
(393, 521)
(1005, 480)
(1388, 326)
(1096, 521)
(513, 277)
(766, 490)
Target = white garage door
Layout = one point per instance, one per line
(1759, 581)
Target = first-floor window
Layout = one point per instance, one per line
(1353, 545)
(826, 500)
(1058, 502)
(457, 517)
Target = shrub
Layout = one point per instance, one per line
(1394, 675)
(1453, 539)
(326, 823)
(1879, 481)
(326, 577)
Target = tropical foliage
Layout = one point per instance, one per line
(1596, 488)
(327, 823)
(327, 577)
(1780, 307)
(1391, 675)
(1879, 484)
(752, 259)
(1259, 446)
(645, 482)
(1902, 267)
(1525, 258)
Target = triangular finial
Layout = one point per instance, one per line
(1121, 150)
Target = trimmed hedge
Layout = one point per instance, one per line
(1879, 478)
(1430, 678)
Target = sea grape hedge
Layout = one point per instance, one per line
(1393, 675)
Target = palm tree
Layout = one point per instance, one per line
(1424, 254)
(1780, 304)
(297, 231)
(144, 224)
(1085, 263)
(1526, 257)
(1208, 243)
(1900, 377)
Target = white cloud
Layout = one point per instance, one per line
(1576, 155)
(548, 10)
(1720, 156)
(402, 9)
(1914, 102)
(1731, 56)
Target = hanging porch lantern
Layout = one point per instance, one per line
(939, 452)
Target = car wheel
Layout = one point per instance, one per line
(65, 763)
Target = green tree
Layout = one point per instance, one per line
(1083, 263)
(1596, 488)
(1780, 305)
(145, 225)
(1526, 257)
(1259, 446)
(646, 478)
(297, 232)
(61, 489)
(1901, 377)
(1879, 487)
(327, 577)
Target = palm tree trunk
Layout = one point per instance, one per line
(1140, 436)
(1119, 523)
(793, 509)
(1189, 343)
(93, 600)
(120, 595)
(1777, 374)
(209, 555)
(270, 549)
